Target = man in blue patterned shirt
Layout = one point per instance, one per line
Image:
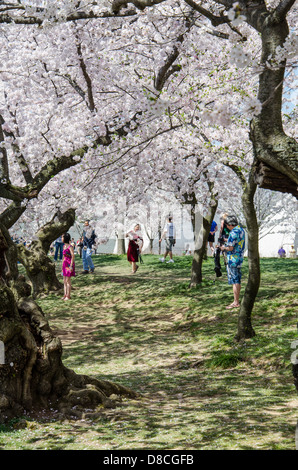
(235, 251)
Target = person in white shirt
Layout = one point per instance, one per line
(170, 236)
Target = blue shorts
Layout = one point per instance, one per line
(234, 274)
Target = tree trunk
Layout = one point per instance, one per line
(295, 374)
(33, 377)
(201, 240)
(267, 177)
(245, 329)
(270, 143)
(39, 267)
(120, 245)
(159, 235)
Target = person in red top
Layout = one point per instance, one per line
(134, 247)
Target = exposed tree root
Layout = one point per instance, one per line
(33, 377)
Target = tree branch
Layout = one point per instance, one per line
(4, 172)
(117, 5)
(60, 222)
(282, 9)
(32, 20)
(11, 214)
(215, 20)
(50, 169)
(237, 170)
(91, 104)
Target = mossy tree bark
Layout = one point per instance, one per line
(39, 267)
(245, 329)
(276, 152)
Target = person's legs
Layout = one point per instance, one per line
(68, 288)
(170, 250)
(164, 256)
(134, 266)
(236, 292)
(171, 257)
(84, 256)
(65, 287)
(89, 260)
(211, 239)
(234, 278)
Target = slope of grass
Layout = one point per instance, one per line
(175, 346)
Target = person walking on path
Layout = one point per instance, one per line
(88, 241)
(234, 247)
(68, 265)
(169, 234)
(80, 246)
(58, 249)
(135, 246)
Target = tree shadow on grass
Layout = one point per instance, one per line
(136, 340)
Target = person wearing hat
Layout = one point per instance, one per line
(234, 247)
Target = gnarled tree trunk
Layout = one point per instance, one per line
(277, 151)
(39, 267)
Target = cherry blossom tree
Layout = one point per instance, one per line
(275, 151)
(94, 89)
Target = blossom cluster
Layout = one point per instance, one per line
(88, 91)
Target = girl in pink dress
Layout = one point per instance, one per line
(68, 265)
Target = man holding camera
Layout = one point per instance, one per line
(234, 247)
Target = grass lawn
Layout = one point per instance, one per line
(199, 390)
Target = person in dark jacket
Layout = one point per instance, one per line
(58, 248)
(88, 241)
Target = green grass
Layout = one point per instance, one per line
(175, 346)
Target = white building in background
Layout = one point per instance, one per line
(284, 234)
(270, 244)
